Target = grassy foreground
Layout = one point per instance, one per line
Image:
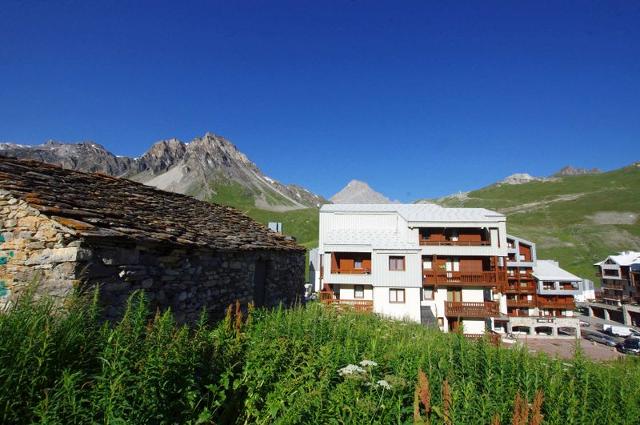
(287, 367)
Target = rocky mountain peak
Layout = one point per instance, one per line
(359, 192)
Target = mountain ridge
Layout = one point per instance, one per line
(197, 168)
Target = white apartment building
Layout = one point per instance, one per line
(419, 262)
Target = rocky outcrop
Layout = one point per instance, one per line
(358, 192)
(195, 168)
(571, 171)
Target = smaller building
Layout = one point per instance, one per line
(618, 285)
(72, 230)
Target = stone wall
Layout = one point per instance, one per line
(187, 280)
(34, 247)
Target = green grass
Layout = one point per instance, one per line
(301, 224)
(282, 367)
(559, 215)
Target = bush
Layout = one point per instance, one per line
(303, 365)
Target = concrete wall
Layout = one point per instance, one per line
(409, 310)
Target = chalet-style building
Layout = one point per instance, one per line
(618, 285)
(68, 229)
(448, 267)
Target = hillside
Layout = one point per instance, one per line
(576, 219)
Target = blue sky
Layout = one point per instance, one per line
(419, 99)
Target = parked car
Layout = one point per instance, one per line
(630, 345)
(584, 324)
(600, 338)
(622, 331)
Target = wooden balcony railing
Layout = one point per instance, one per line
(521, 303)
(469, 309)
(365, 306)
(513, 289)
(351, 271)
(564, 305)
(428, 242)
(613, 286)
(463, 278)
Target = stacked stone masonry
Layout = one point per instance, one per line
(59, 255)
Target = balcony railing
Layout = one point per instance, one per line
(564, 305)
(428, 242)
(491, 336)
(512, 289)
(463, 278)
(365, 306)
(521, 303)
(351, 271)
(470, 309)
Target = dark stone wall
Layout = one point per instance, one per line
(188, 281)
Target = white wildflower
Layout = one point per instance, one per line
(366, 363)
(350, 369)
(384, 384)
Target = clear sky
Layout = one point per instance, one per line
(419, 99)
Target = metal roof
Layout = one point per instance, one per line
(419, 212)
(549, 270)
(376, 239)
(625, 258)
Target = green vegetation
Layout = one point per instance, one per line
(301, 224)
(576, 220)
(286, 367)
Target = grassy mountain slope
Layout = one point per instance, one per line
(301, 224)
(577, 220)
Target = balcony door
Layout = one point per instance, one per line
(454, 295)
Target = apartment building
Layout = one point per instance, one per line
(418, 262)
(619, 279)
(454, 268)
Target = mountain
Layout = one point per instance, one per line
(357, 192)
(576, 219)
(571, 171)
(207, 167)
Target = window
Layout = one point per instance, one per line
(357, 264)
(396, 295)
(358, 291)
(427, 265)
(454, 235)
(427, 293)
(396, 263)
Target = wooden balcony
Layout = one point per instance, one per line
(364, 270)
(511, 288)
(521, 303)
(428, 242)
(556, 304)
(472, 310)
(365, 306)
(463, 278)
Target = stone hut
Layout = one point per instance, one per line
(69, 229)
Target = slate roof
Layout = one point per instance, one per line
(420, 212)
(97, 205)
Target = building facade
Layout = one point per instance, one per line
(419, 262)
(619, 285)
(454, 268)
(66, 230)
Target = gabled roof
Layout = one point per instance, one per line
(420, 212)
(97, 205)
(625, 258)
(550, 270)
